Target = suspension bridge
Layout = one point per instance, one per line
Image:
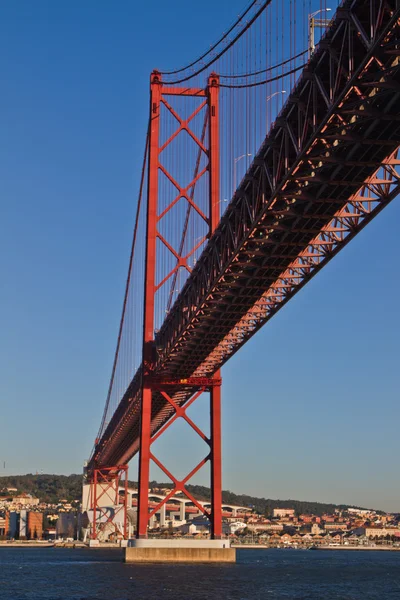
(264, 157)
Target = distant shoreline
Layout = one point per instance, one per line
(42, 545)
(77, 544)
(26, 544)
(375, 548)
(363, 548)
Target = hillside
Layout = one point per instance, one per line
(51, 488)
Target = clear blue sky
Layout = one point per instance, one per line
(311, 405)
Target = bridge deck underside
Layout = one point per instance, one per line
(339, 125)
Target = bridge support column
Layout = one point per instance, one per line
(162, 515)
(144, 466)
(216, 469)
(109, 513)
(182, 511)
(215, 391)
(149, 301)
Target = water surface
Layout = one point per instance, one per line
(81, 574)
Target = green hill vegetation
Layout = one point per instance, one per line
(48, 488)
(52, 488)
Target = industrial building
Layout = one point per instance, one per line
(23, 525)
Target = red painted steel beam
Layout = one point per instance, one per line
(200, 382)
(149, 297)
(215, 393)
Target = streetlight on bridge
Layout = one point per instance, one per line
(268, 98)
(235, 161)
(312, 24)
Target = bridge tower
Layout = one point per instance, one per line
(179, 392)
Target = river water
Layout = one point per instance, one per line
(81, 574)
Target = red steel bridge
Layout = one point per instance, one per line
(264, 157)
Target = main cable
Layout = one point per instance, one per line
(224, 36)
(222, 52)
(277, 78)
(127, 283)
(281, 64)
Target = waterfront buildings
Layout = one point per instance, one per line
(22, 525)
(22, 516)
(381, 532)
(34, 525)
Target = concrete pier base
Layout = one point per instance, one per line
(174, 551)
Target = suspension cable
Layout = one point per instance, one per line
(281, 64)
(128, 280)
(221, 39)
(277, 78)
(222, 52)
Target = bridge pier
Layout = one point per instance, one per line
(187, 551)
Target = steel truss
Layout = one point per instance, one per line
(338, 130)
(328, 166)
(213, 456)
(105, 486)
